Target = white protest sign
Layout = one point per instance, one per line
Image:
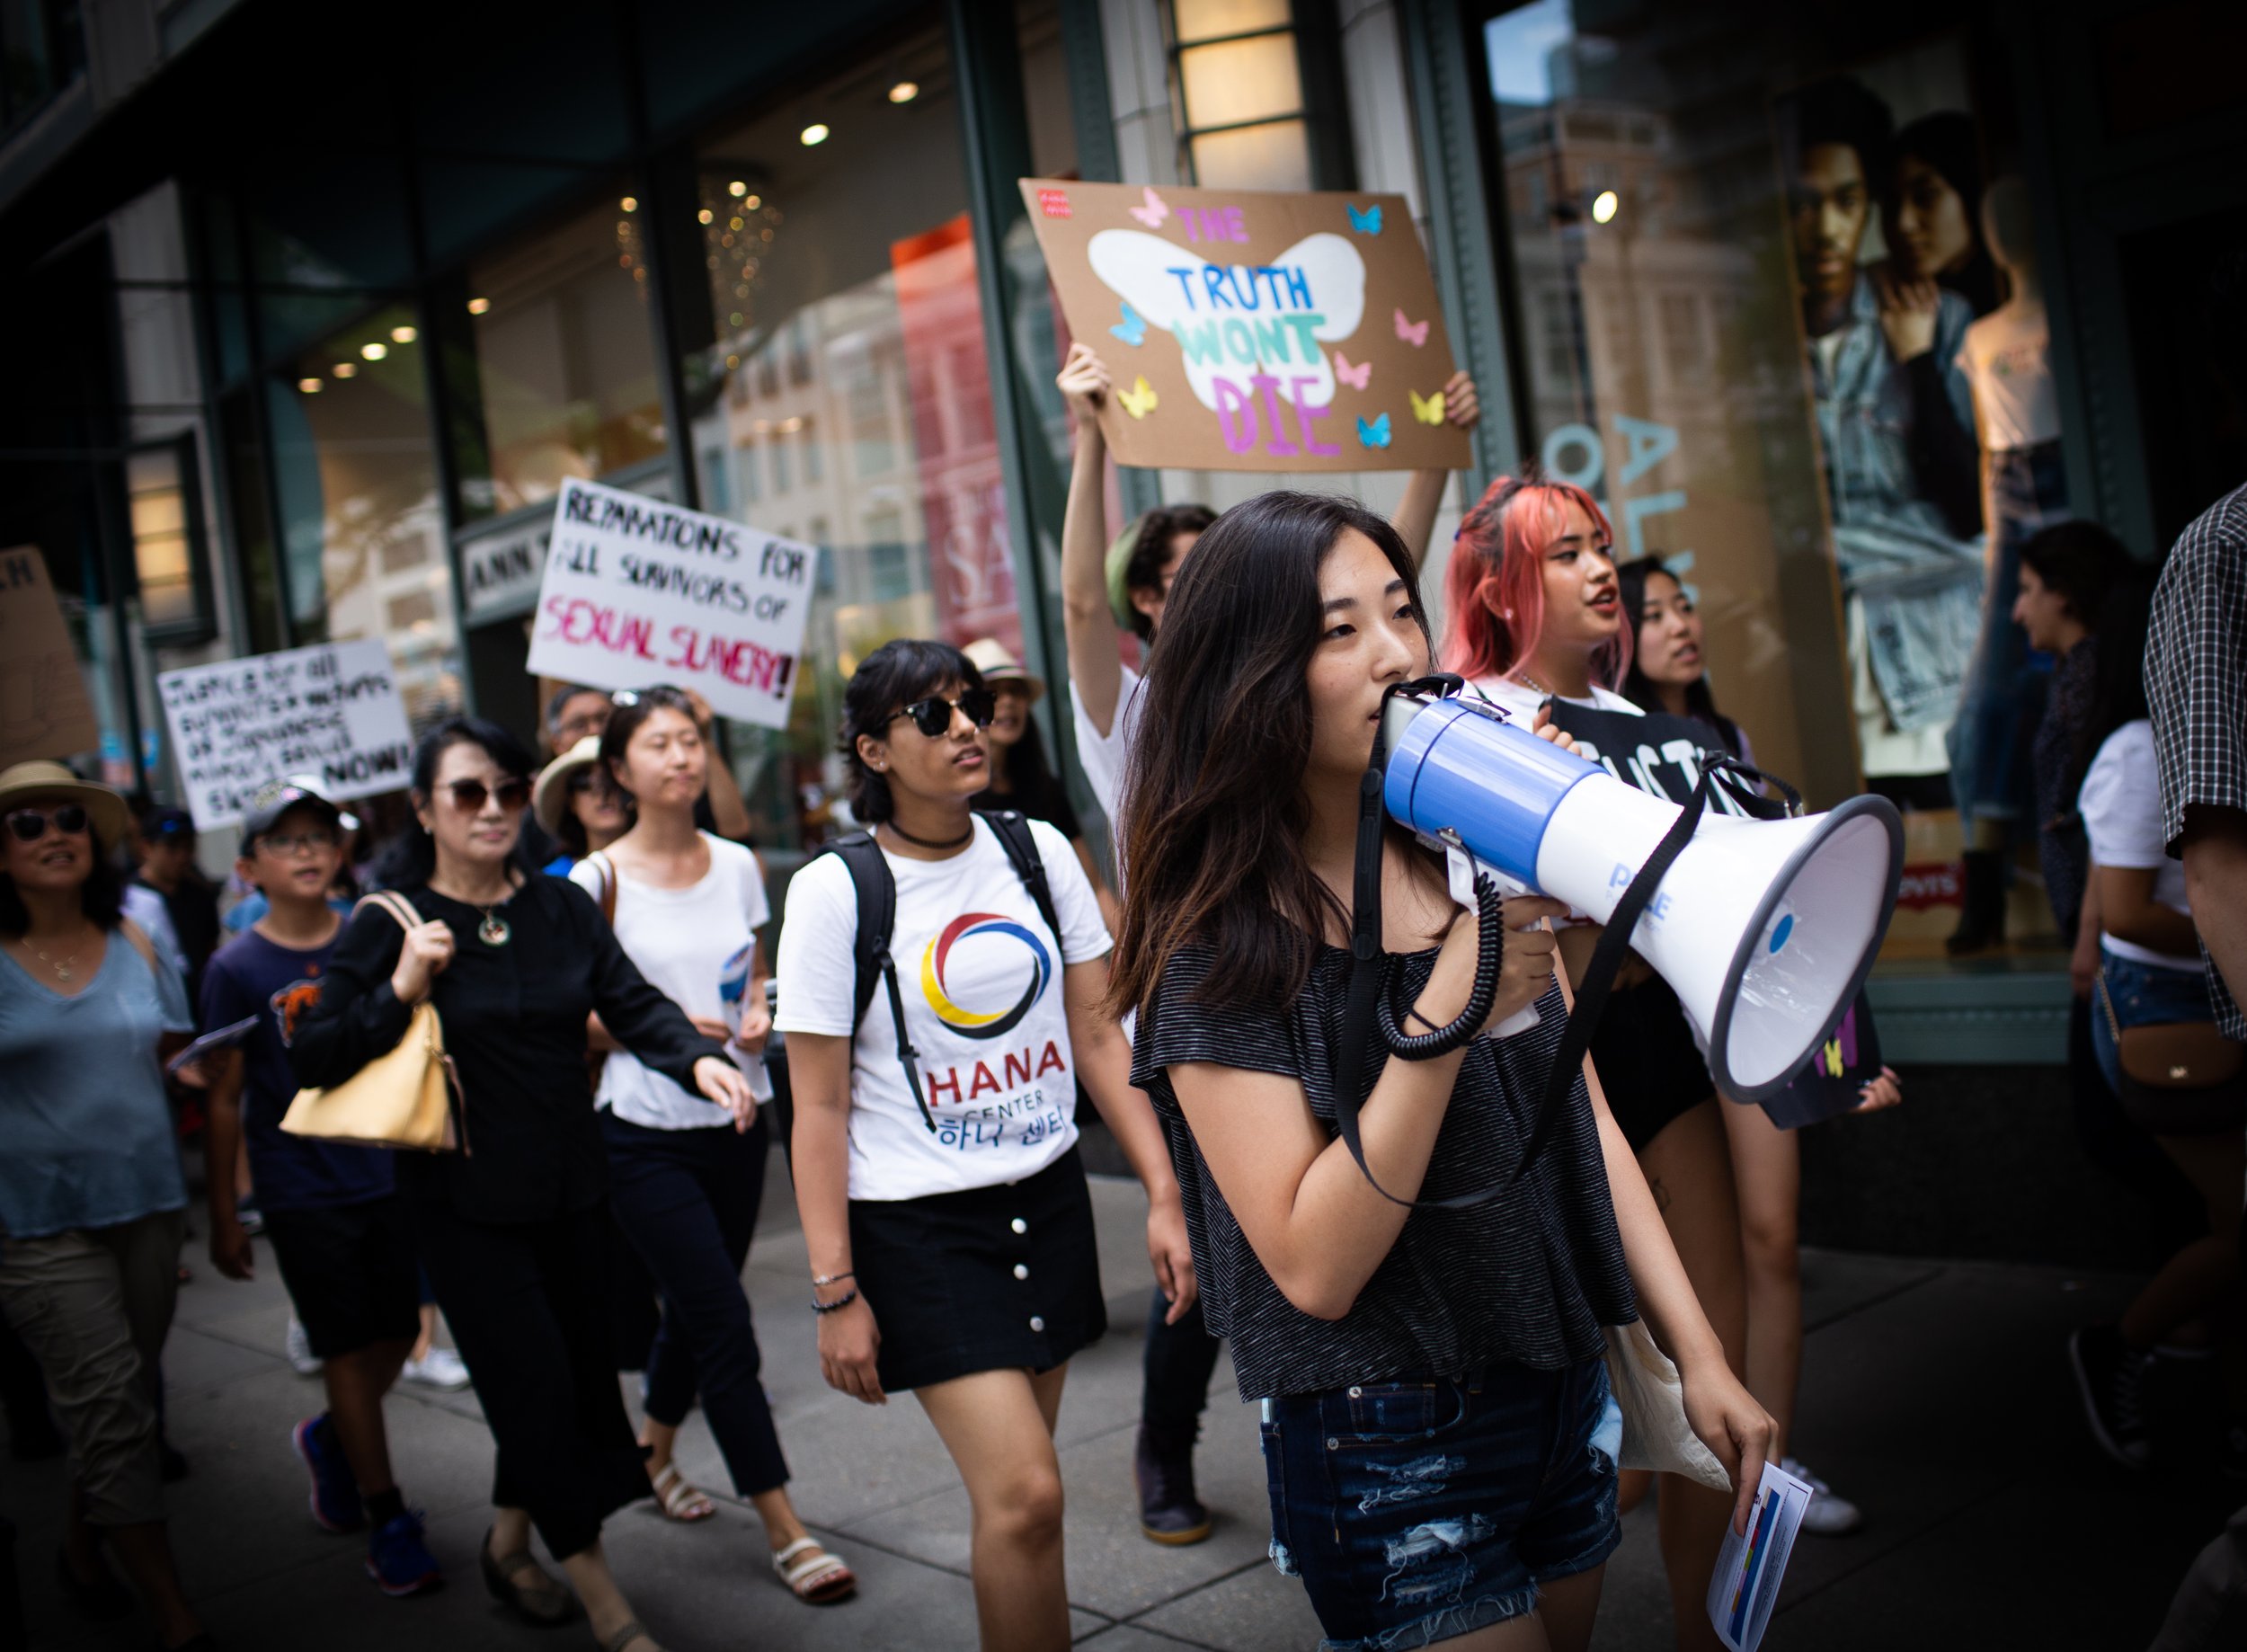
(331, 712)
(637, 593)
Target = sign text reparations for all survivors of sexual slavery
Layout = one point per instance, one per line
(330, 713)
(638, 593)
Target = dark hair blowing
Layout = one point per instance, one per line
(1638, 689)
(890, 678)
(2080, 560)
(1150, 549)
(102, 897)
(409, 859)
(1213, 801)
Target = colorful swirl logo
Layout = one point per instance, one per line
(975, 1023)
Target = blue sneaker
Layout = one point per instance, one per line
(335, 1503)
(397, 1559)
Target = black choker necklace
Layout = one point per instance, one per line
(962, 842)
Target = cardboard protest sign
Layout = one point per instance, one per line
(44, 711)
(1252, 331)
(331, 713)
(638, 593)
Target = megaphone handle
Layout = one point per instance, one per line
(1489, 961)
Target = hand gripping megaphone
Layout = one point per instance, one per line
(1766, 929)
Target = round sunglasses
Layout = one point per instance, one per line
(30, 825)
(932, 717)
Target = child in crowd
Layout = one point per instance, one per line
(332, 1212)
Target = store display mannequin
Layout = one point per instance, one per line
(2006, 358)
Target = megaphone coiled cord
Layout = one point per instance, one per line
(1489, 963)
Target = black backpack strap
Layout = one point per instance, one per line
(1013, 829)
(876, 891)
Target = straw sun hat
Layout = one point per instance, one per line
(551, 796)
(105, 808)
(997, 664)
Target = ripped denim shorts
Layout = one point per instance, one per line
(1418, 1510)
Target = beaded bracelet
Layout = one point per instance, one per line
(844, 1300)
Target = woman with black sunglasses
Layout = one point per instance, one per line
(514, 1229)
(945, 1208)
(91, 1198)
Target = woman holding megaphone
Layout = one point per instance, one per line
(1439, 1437)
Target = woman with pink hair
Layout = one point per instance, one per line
(1534, 614)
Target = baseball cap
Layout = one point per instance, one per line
(278, 798)
(167, 823)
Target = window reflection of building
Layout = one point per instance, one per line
(846, 398)
(362, 522)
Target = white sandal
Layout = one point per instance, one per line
(819, 1578)
(679, 1499)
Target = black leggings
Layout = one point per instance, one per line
(1180, 1360)
(526, 1304)
(686, 1200)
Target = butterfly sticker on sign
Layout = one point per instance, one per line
(1257, 330)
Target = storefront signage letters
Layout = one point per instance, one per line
(637, 593)
(1251, 331)
(44, 711)
(331, 713)
(501, 571)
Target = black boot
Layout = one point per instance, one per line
(1982, 911)
(1169, 1511)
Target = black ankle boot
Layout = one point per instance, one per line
(1982, 909)
(1169, 1511)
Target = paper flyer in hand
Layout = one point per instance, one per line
(732, 986)
(1746, 1589)
(217, 1039)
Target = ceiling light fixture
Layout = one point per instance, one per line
(404, 335)
(311, 387)
(904, 92)
(374, 351)
(1603, 206)
(705, 216)
(477, 306)
(347, 369)
(737, 189)
(815, 133)
(630, 203)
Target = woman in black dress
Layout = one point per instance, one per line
(514, 1229)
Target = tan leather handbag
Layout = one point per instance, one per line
(2178, 1078)
(409, 1097)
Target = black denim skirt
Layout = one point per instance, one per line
(991, 1279)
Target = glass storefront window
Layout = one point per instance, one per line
(1761, 318)
(362, 529)
(564, 361)
(846, 399)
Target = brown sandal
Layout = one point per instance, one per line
(518, 1580)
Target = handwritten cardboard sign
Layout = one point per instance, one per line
(331, 712)
(1251, 331)
(44, 711)
(638, 593)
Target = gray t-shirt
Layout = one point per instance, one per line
(86, 1134)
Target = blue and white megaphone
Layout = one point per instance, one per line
(1766, 929)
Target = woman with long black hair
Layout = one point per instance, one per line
(1440, 1439)
(514, 1229)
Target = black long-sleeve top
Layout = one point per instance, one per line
(514, 1019)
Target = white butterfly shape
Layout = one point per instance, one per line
(1143, 270)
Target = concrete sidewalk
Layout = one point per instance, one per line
(1936, 1395)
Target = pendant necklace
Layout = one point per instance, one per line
(65, 967)
(494, 930)
(930, 843)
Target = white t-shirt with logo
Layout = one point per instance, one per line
(1103, 756)
(682, 939)
(1521, 701)
(2121, 804)
(984, 1007)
